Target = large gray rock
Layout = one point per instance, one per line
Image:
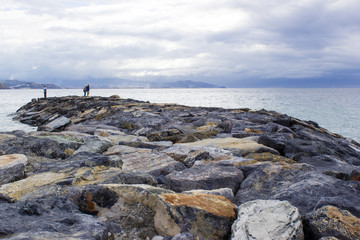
(142, 211)
(206, 176)
(330, 221)
(51, 218)
(299, 184)
(35, 146)
(56, 124)
(267, 219)
(12, 167)
(94, 146)
(155, 163)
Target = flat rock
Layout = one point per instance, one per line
(94, 146)
(237, 146)
(181, 151)
(267, 219)
(12, 167)
(19, 189)
(123, 149)
(155, 163)
(56, 124)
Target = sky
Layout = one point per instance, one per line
(234, 43)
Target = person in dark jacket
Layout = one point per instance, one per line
(45, 91)
(87, 90)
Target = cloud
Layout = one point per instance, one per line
(205, 39)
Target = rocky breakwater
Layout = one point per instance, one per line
(112, 168)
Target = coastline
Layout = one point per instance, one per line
(147, 169)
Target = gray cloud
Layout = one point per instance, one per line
(234, 41)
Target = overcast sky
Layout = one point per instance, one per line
(229, 42)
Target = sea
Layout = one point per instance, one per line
(336, 109)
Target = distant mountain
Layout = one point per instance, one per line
(186, 84)
(124, 83)
(105, 83)
(16, 84)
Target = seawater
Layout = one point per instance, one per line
(335, 109)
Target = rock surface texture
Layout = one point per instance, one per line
(267, 219)
(112, 168)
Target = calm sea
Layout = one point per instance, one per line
(337, 110)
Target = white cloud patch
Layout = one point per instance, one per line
(180, 38)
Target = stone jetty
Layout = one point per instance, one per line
(113, 168)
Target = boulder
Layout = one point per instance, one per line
(225, 192)
(34, 146)
(12, 167)
(57, 124)
(21, 189)
(103, 175)
(155, 163)
(330, 221)
(89, 128)
(78, 160)
(94, 146)
(240, 147)
(205, 176)
(299, 184)
(143, 211)
(50, 218)
(267, 219)
(122, 149)
(181, 151)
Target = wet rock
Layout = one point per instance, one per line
(267, 219)
(208, 177)
(330, 221)
(12, 167)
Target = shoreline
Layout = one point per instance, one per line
(133, 169)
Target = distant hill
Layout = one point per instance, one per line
(124, 83)
(186, 84)
(16, 84)
(106, 83)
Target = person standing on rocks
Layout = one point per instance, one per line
(87, 90)
(45, 91)
(84, 90)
